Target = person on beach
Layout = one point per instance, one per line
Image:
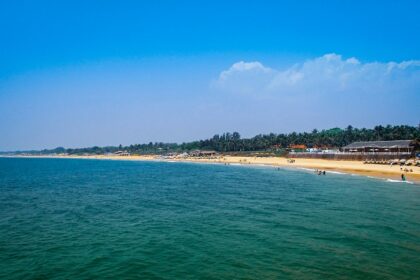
(402, 177)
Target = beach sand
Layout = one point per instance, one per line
(351, 167)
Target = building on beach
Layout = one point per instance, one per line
(297, 146)
(407, 147)
(367, 150)
(199, 153)
(122, 153)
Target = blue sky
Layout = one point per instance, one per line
(84, 73)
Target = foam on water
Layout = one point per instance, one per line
(399, 181)
(337, 172)
(306, 169)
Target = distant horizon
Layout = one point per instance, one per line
(209, 137)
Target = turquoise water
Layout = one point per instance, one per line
(85, 219)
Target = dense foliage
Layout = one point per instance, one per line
(232, 142)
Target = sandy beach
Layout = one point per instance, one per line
(351, 167)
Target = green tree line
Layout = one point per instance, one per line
(232, 142)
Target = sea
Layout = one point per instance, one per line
(107, 219)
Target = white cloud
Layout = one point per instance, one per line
(246, 77)
(242, 66)
(327, 76)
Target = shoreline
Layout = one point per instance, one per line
(347, 167)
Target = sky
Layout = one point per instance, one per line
(98, 73)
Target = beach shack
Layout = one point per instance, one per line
(122, 153)
(406, 147)
(297, 147)
(198, 153)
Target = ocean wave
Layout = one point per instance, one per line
(399, 181)
(306, 169)
(264, 165)
(337, 172)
